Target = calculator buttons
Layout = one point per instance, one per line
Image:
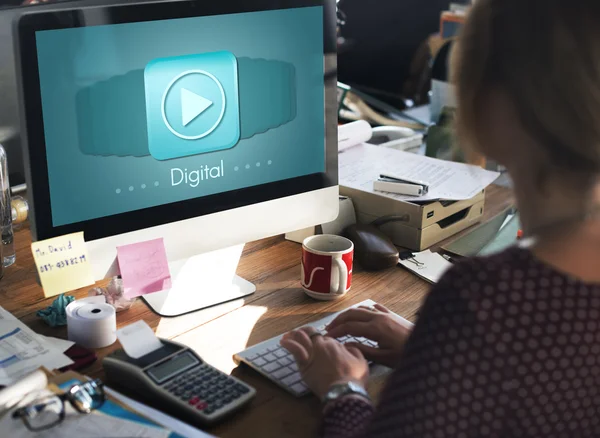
(206, 389)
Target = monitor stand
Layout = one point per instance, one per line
(201, 281)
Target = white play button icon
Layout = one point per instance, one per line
(192, 105)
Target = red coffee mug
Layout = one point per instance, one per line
(327, 266)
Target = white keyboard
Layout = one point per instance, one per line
(274, 362)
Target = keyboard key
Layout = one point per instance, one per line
(299, 388)
(259, 362)
(273, 347)
(270, 367)
(284, 361)
(281, 353)
(252, 357)
(209, 410)
(361, 340)
(269, 357)
(343, 338)
(290, 380)
(201, 406)
(280, 374)
(294, 366)
(194, 400)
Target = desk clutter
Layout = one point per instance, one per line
(171, 376)
(453, 201)
(44, 404)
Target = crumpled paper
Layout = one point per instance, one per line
(114, 294)
(55, 315)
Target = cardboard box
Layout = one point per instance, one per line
(423, 225)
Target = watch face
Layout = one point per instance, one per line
(354, 387)
(339, 390)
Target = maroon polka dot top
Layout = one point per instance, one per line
(505, 346)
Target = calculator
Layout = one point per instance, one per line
(174, 379)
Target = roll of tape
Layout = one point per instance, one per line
(91, 322)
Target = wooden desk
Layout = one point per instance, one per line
(278, 305)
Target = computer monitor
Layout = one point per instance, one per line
(207, 124)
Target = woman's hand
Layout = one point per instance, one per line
(377, 324)
(323, 361)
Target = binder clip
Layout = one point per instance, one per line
(409, 256)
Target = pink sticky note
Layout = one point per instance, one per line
(144, 268)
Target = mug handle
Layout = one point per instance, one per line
(343, 276)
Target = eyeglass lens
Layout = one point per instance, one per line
(44, 413)
(87, 396)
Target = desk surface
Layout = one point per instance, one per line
(216, 334)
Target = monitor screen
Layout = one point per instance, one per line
(144, 114)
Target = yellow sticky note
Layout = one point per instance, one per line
(63, 264)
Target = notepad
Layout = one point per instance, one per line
(144, 268)
(428, 265)
(63, 264)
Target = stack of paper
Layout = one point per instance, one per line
(361, 165)
(23, 351)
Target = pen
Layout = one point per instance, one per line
(447, 257)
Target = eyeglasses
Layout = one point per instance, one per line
(46, 412)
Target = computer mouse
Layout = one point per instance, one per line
(373, 250)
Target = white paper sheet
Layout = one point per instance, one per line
(138, 339)
(22, 351)
(361, 165)
(167, 421)
(60, 344)
(428, 265)
(75, 424)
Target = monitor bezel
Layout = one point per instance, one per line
(36, 166)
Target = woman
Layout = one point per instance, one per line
(507, 345)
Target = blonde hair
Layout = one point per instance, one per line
(544, 55)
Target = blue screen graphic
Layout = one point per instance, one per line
(144, 114)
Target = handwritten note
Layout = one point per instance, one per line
(144, 268)
(63, 264)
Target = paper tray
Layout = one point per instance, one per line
(418, 239)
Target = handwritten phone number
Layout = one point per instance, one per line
(61, 264)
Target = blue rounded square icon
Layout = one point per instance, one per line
(192, 104)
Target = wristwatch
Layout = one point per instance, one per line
(342, 389)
